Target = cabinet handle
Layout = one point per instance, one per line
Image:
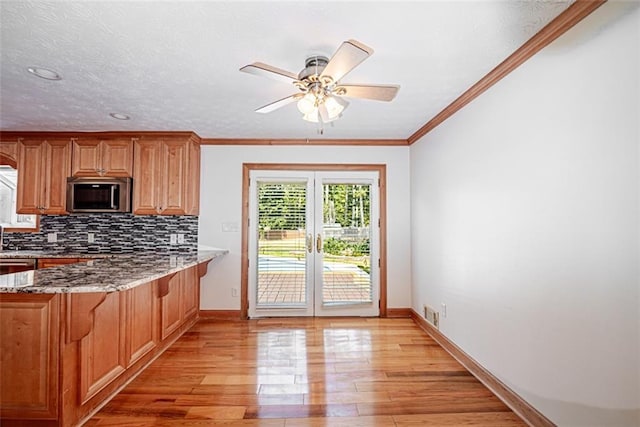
(319, 243)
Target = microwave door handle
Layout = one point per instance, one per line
(113, 197)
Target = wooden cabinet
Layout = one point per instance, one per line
(42, 182)
(63, 355)
(29, 344)
(142, 331)
(191, 293)
(102, 350)
(166, 176)
(172, 313)
(102, 157)
(181, 302)
(165, 168)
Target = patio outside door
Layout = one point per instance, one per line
(313, 245)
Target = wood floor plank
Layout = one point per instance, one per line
(488, 419)
(375, 421)
(216, 412)
(348, 372)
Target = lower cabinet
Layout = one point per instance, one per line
(29, 365)
(63, 355)
(182, 301)
(102, 351)
(191, 293)
(142, 325)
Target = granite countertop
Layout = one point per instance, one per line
(105, 273)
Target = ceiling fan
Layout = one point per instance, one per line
(320, 89)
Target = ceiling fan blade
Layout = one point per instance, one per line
(347, 57)
(279, 103)
(264, 70)
(374, 92)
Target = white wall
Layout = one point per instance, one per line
(525, 222)
(221, 202)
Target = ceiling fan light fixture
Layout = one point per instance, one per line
(335, 106)
(319, 84)
(312, 116)
(307, 104)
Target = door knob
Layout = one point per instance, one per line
(319, 243)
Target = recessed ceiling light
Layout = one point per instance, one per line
(44, 73)
(119, 116)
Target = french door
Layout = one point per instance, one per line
(313, 243)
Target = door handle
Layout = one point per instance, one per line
(309, 242)
(319, 243)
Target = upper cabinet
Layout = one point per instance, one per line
(166, 175)
(102, 157)
(42, 183)
(165, 168)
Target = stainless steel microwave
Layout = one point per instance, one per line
(88, 195)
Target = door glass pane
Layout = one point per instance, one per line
(346, 235)
(281, 244)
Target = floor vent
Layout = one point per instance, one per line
(432, 316)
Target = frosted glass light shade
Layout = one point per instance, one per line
(307, 103)
(312, 116)
(335, 106)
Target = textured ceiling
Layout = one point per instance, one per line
(173, 65)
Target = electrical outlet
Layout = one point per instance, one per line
(180, 239)
(444, 309)
(91, 237)
(52, 237)
(173, 239)
(234, 292)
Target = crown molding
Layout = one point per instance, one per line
(300, 141)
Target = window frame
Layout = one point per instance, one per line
(9, 161)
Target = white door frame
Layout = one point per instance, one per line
(248, 167)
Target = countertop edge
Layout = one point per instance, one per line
(175, 263)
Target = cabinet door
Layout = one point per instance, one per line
(146, 177)
(117, 157)
(29, 377)
(86, 157)
(174, 179)
(190, 292)
(102, 351)
(172, 311)
(166, 175)
(30, 177)
(57, 169)
(141, 321)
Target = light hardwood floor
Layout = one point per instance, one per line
(306, 372)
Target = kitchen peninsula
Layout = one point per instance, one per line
(72, 336)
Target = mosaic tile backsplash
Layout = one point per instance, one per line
(113, 233)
